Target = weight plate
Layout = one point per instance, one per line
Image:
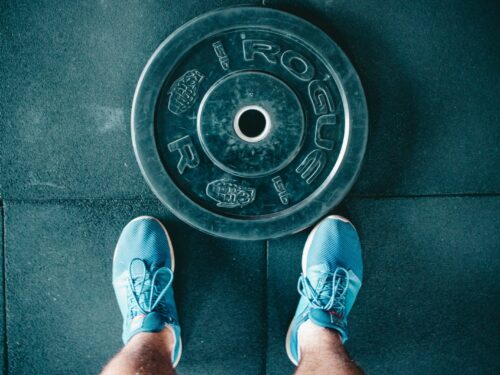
(249, 123)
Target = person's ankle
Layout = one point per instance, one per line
(165, 338)
(314, 338)
(168, 335)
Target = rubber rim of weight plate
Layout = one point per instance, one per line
(143, 125)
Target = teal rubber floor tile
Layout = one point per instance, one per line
(430, 73)
(429, 303)
(69, 71)
(284, 256)
(62, 316)
(431, 77)
(3, 363)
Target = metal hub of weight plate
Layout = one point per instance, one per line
(249, 123)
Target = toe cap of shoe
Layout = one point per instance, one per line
(144, 238)
(336, 243)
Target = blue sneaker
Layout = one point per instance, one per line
(143, 270)
(332, 272)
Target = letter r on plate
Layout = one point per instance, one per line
(189, 156)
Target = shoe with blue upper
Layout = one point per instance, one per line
(332, 272)
(143, 271)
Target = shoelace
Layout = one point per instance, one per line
(145, 280)
(333, 290)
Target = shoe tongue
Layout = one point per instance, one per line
(320, 281)
(152, 322)
(316, 274)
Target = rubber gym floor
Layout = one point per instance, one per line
(426, 204)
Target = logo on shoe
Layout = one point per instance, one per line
(334, 316)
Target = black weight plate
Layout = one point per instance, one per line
(249, 123)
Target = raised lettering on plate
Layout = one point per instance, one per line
(312, 165)
(252, 47)
(189, 156)
(320, 97)
(322, 132)
(298, 65)
(280, 188)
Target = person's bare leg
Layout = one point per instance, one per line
(143, 272)
(322, 352)
(146, 353)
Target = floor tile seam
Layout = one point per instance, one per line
(266, 309)
(106, 200)
(5, 363)
(91, 200)
(425, 196)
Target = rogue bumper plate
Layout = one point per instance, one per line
(249, 123)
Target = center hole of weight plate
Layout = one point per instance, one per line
(252, 123)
